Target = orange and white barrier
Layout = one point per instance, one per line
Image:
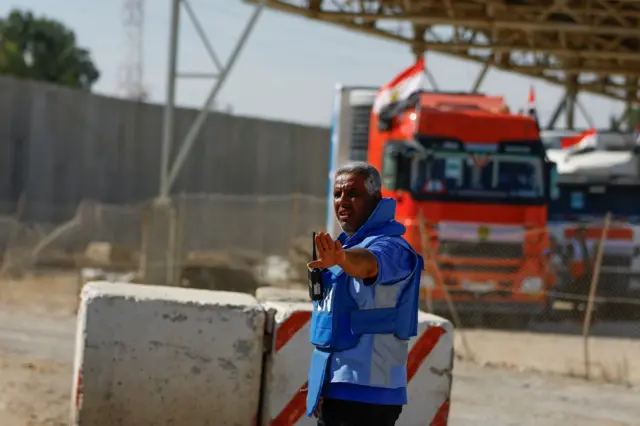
(429, 369)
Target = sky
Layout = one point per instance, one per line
(289, 68)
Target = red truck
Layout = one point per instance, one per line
(479, 178)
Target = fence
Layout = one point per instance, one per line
(508, 278)
(241, 232)
(479, 273)
(473, 276)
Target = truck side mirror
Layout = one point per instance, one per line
(396, 167)
(552, 173)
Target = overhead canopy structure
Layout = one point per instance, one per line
(584, 45)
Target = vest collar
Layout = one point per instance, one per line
(381, 222)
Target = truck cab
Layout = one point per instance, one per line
(472, 184)
(590, 185)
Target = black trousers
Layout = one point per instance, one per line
(337, 412)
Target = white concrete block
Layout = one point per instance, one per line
(148, 355)
(287, 367)
(430, 360)
(279, 294)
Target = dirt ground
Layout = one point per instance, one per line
(37, 328)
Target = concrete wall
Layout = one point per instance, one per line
(59, 146)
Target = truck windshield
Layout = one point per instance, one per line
(455, 174)
(594, 201)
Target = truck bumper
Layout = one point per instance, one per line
(489, 307)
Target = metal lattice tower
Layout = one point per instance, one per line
(131, 70)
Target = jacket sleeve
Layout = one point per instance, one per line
(395, 262)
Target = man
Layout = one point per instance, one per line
(556, 259)
(581, 270)
(371, 280)
(556, 265)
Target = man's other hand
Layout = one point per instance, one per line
(330, 252)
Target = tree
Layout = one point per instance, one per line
(44, 49)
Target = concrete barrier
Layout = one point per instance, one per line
(148, 355)
(430, 373)
(429, 368)
(278, 294)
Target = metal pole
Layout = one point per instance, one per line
(623, 117)
(556, 113)
(570, 110)
(202, 34)
(585, 113)
(168, 122)
(432, 80)
(572, 97)
(586, 326)
(190, 138)
(481, 76)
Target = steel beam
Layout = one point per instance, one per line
(483, 24)
(168, 124)
(560, 107)
(169, 170)
(203, 35)
(585, 114)
(194, 131)
(536, 20)
(623, 117)
(481, 76)
(570, 109)
(597, 38)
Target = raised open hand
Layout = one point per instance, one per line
(330, 252)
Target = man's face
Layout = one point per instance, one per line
(352, 203)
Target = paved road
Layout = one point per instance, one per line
(36, 353)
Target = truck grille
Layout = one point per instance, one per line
(616, 260)
(481, 249)
(504, 269)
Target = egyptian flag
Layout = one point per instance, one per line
(586, 139)
(531, 107)
(401, 87)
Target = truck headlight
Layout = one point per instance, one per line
(427, 281)
(531, 285)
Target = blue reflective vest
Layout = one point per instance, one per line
(344, 324)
